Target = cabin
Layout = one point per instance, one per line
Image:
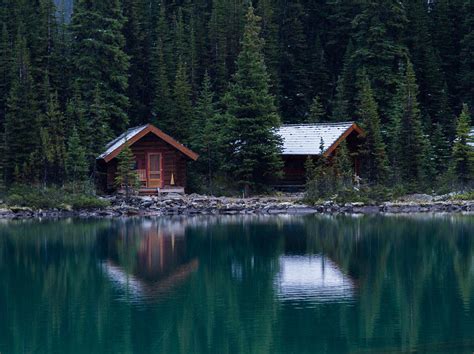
(301, 141)
(160, 160)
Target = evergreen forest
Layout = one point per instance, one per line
(221, 75)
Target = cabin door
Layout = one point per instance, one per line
(154, 170)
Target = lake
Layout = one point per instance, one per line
(273, 284)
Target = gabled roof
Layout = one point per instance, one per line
(305, 139)
(132, 135)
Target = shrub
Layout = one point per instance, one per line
(50, 197)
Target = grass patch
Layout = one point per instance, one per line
(52, 198)
(465, 196)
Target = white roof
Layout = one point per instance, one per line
(120, 140)
(305, 139)
(472, 138)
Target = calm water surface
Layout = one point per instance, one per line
(238, 285)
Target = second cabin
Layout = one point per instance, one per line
(301, 141)
(160, 160)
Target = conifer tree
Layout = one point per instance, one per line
(466, 76)
(462, 153)
(183, 110)
(252, 115)
(414, 159)
(378, 31)
(339, 105)
(75, 163)
(126, 176)
(316, 111)
(21, 122)
(137, 47)
(343, 166)
(206, 132)
(53, 142)
(98, 117)
(441, 150)
(5, 72)
(294, 70)
(97, 37)
(374, 153)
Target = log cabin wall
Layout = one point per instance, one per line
(173, 161)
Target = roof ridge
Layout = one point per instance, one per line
(316, 124)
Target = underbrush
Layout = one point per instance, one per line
(52, 197)
(465, 196)
(366, 195)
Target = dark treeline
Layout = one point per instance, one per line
(219, 77)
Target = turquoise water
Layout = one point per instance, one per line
(304, 284)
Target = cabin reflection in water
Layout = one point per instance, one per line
(148, 259)
(312, 278)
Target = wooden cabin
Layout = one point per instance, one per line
(160, 160)
(301, 141)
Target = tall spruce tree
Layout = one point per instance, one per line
(99, 59)
(295, 65)
(53, 142)
(466, 76)
(378, 31)
(463, 156)
(316, 111)
(183, 111)
(414, 157)
(21, 121)
(76, 165)
(374, 154)
(252, 115)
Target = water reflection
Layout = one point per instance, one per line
(313, 279)
(147, 259)
(238, 285)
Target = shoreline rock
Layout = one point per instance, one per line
(205, 205)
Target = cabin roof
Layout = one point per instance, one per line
(471, 143)
(132, 135)
(305, 139)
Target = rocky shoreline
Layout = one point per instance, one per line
(204, 205)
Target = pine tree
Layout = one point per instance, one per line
(98, 117)
(5, 72)
(160, 69)
(21, 121)
(374, 153)
(339, 106)
(466, 76)
(206, 132)
(137, 47)
(96, 29)
(379, 48)
(343, 166)
(434, 94)
(462, 152)
(413, 155)
(126, 176)
(316, 111)
(76, 163)
(53, 142)
(183, 110)
(295, 65)
(252, 114)
(441, 150)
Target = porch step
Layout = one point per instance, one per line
(157, 191)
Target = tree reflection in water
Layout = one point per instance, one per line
(238, 285)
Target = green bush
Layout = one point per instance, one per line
(48, 198)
